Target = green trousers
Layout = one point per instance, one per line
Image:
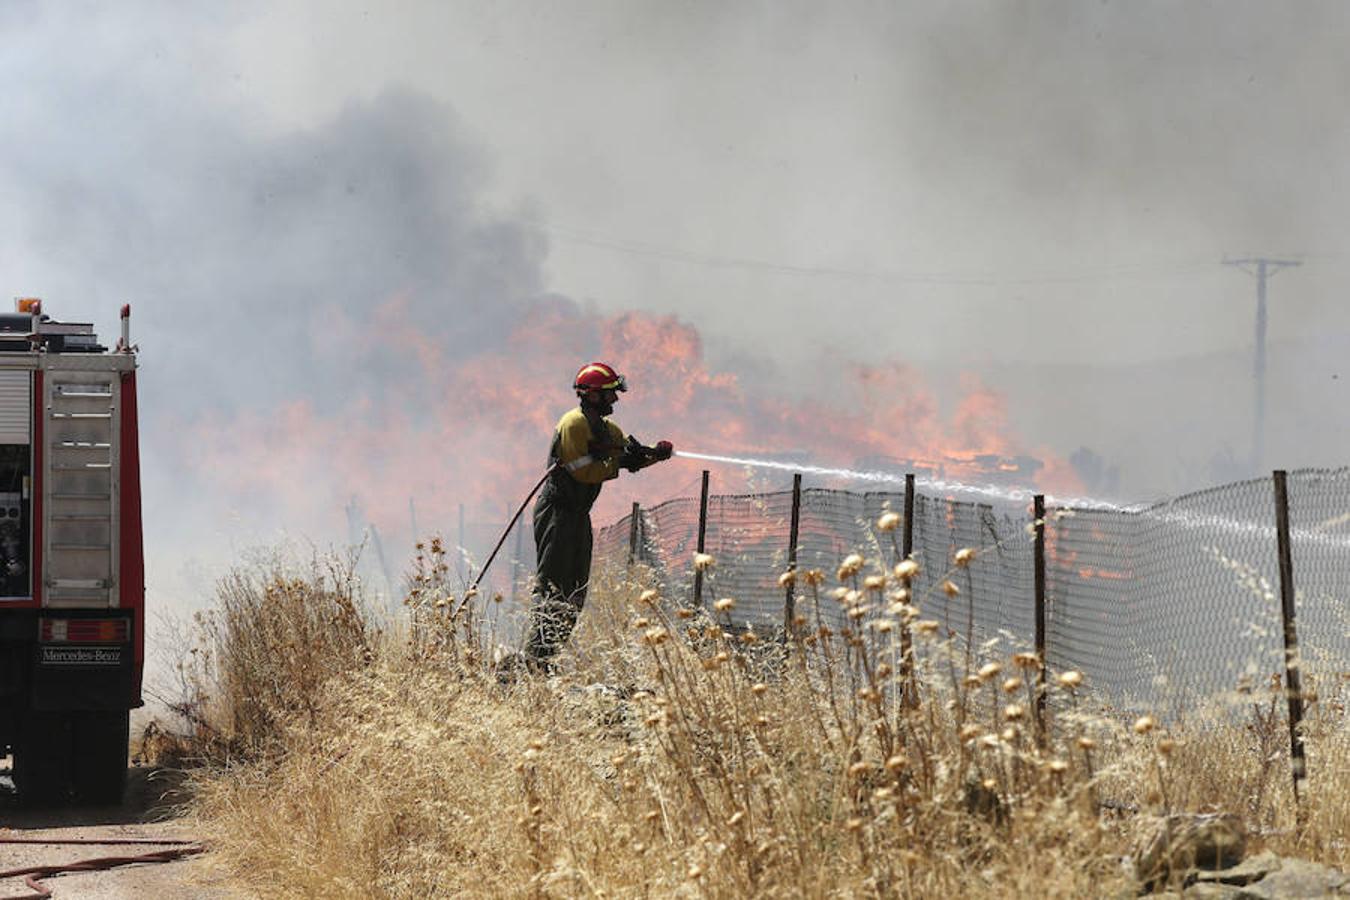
(562, 542)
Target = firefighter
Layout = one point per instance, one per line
(588, 450)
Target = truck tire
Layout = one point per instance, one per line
(100, 765)
(42, 758)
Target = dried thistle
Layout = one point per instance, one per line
(851, 566)
(907, 568)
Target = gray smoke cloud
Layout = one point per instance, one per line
(265, 268)
(1216, 116)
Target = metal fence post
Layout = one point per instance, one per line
(790, 598)
(1038, 569)
(702, 534)
(1293, 683)
(908, 685)
(907, 536)
(633, 532)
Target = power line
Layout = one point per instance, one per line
(693, 258)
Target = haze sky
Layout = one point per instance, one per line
(1039, 193)
(1011, 180)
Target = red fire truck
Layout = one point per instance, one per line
(72, 571)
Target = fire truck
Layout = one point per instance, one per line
(72, 571)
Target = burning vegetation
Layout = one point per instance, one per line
(473, 430)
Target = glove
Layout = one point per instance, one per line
(636, 456)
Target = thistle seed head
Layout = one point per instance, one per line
(889, 521)
(1070, 679)
(851, 566)
(906, 569)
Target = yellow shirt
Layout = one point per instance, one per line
(572, 447)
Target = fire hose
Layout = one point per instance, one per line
(638, 457)
(32, 875)
(473, 588)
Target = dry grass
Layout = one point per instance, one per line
(681, 757)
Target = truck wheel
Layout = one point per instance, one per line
(100, 771)
(42, 757)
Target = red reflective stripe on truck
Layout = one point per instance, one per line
(131, 575)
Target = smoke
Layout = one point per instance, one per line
(1209, 114)
(281, 282)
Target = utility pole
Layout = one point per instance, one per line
(1262, 269)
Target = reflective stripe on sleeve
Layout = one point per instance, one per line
(578, 463)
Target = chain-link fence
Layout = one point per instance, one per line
(1164, 607)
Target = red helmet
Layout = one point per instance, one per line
(598, 377)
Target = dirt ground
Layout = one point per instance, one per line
(147, 811)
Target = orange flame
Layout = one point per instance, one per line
(475, 429)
